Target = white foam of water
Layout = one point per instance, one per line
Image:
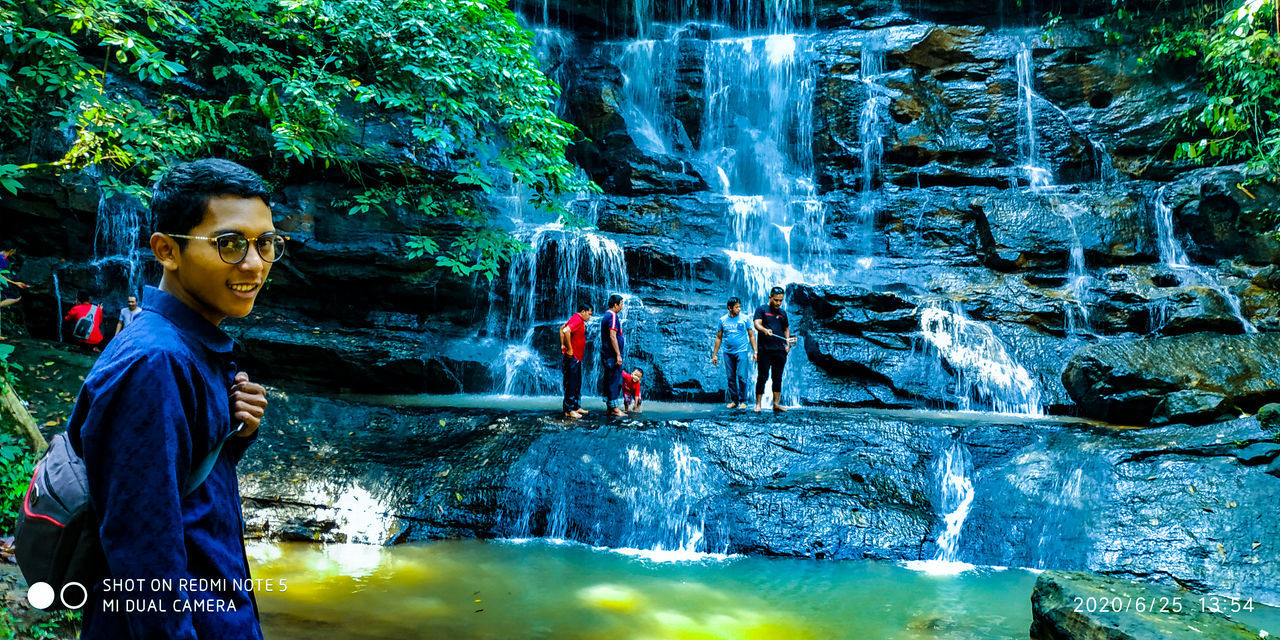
(957, 497)
(781, 48)
(524, 372)
(1038, 175)
(983, 366)
(942, 567)
(673, 556)
(1174, 256)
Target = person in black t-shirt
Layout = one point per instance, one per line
(774, 344)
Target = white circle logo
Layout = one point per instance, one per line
(40, 595)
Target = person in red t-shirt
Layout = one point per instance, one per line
(573, 344)
(631, 389)
(84, 304)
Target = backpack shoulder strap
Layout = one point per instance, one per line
(201, 472)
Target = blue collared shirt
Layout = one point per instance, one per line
(154, 405)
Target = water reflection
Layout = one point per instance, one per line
(474, 589)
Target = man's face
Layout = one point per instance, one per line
(775, 301)
(206, 283)
(132, 302)
(735, 309)
(586, 315)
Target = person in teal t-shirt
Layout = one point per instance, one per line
(739, 340)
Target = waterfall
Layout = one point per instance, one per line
(1078, 280)
(986, 375)
(953, 469)
(1038, 175)
(755, 138)
(562, 268)
(121, 224)
(1175, 258)
(647, 88)
(630, 491)
(1065, 501)
(774, 16)
(872, 122)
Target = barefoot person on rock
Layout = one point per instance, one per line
(573, 345)
(612, 343)
(739, 342)
(774, 344)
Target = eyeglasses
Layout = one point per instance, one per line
(234, 246)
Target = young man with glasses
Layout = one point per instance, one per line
(165, 397)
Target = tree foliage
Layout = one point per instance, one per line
(295, 88)
(1236, 48)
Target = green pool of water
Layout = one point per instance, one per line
(503, 590)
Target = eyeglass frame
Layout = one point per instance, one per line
(249, 242)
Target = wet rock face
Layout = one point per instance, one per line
(952, 217)
(1027, 230)
(1220, 213)
(1065, 605)
(1178, 503)
(1195, 378)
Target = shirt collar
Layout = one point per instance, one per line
(186, 318)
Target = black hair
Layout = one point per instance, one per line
(181, 196)
(85, 295)
(731, 302)
(584, 306)
(639, 371)
(777, 290)
(614, 300)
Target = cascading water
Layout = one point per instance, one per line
(562, 268)
(1175, 258)
(987, 377)
(1040, 177)
(117, 242)
(1037, 172)
(1078, 280)
(953, 469)
(872, 121)
(755, 137)
(622, 490)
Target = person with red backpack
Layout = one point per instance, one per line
(85, 320)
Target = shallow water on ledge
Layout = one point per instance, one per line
(659, 410)
(539, 589)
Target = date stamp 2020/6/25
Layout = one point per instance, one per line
(1161, 604)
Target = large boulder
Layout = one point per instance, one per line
(1030, 228)
(1073, 605)
(1158, 379)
